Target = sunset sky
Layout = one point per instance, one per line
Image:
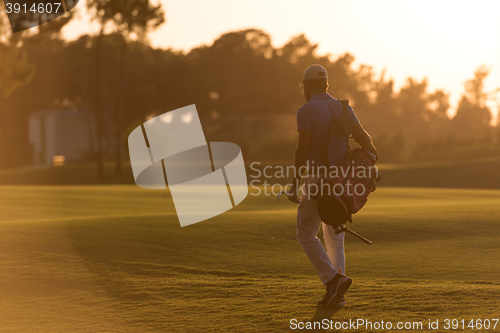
(444, 41)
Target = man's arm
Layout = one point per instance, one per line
(363, 138)
(301, 157)
(302, 151)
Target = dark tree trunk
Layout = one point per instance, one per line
(98, 113)
(120, 109)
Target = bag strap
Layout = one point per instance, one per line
(345, 125)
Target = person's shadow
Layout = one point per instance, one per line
(324, 313)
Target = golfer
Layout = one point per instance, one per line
(314, 121)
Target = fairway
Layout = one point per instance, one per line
(114, 259)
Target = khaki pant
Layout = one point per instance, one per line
(326, 263)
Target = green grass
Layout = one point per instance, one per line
(114, 259)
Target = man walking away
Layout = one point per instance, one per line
(314, 121)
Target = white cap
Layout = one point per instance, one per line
(314, 72)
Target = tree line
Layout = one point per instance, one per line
(239, 82)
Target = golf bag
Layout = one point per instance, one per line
(344, 191)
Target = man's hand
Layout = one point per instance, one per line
(301, 156)
(363, 138)
(294, 191)
(373, 150)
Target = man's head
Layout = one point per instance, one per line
(315, 81)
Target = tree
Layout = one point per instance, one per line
(473, 117)
(413, 100)
(17, 70)
(381, 118)
(126, 18)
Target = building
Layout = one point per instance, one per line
(61, 136)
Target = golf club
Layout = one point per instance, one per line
(366, 241)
